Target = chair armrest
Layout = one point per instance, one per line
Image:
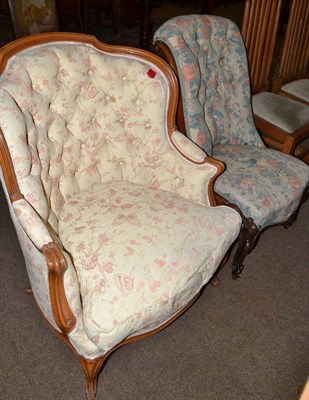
(198, 171)
(188, 148)
(32, 223)
(38, 233)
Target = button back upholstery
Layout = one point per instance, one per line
(209, 57)
(112, 205)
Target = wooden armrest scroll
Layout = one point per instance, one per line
(57, 266)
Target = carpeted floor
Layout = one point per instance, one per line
(245, 340)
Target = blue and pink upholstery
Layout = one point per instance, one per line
(209, 57)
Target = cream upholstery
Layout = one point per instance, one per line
(100, 170)
(298, 88)
(278, 109)
(122, 224)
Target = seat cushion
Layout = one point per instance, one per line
(299, 88)
(140, 254)
(281, 111)
(266, 184)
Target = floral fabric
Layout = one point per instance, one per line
(264, 183)
(212, 67)
(81, 119)
(140, 254)
(75, 119)
(38, 275)
(31, 223)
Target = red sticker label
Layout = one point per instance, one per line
(151, 73)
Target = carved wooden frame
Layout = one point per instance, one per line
(55, 259)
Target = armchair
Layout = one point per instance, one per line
(113, 207)
(208, 55)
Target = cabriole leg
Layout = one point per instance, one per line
(247, 239)
(91, 370)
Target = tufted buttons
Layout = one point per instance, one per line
(147, 126)
(124, 78)
(212, 93)
(107, 98)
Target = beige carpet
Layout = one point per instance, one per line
(245, 340)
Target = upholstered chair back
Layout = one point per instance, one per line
(111, 203)
(212, 66)
(81, 117)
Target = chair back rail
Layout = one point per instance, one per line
(259, 31)
(294, 61)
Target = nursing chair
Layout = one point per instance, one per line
(282, 121)
(209, 57)
(113, 207)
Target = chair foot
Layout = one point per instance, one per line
(247, 240)
(290, 221)
(29, 290)
(92, 369)
(91, 389)
(215, 281)
(236, 271)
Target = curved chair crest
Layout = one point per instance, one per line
(112, 205)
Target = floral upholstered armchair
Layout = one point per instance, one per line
(209, 57)
(113, 207)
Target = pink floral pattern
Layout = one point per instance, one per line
(85, 127)
(264, 183)
(140, 254)
(31, 223)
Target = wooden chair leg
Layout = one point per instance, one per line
(215, 281)
(29, 290)
(246, 242)
(92, 370)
